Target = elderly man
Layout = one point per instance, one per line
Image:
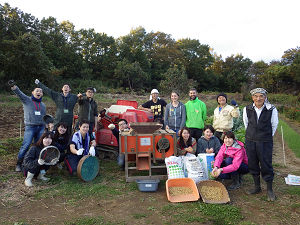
(195, 114)
(155, 105)
(65, 103)
(261, 120)
(34, 110)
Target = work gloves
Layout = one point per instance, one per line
(80, 151)
(92, 151)
(41, 162)
(54, 161)
(111, 126)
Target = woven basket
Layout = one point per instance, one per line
(211, 183)
(88, 168)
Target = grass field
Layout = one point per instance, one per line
(110, 200)
(291, 137)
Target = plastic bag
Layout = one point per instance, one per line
(207, 161)
(174, 167)
(194, 168)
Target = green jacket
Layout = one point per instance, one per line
(195, 113)
(64, 105)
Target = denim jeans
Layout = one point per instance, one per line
(31, 132)
(121, 160)
(243, 169)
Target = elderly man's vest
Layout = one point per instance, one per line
(260, 130)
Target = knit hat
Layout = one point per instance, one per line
(91, 89)
(222, 94)
(258, 90)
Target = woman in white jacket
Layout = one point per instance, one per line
(223, 115)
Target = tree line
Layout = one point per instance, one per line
(56, 52)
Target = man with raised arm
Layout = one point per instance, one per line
(65, 103)
(34, 110)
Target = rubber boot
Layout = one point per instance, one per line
(271, 195)
(42, 177)
(257, 187)
(235, 182)
(241, 179)
(28, 180)
(19, 165)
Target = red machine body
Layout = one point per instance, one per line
(124, 109)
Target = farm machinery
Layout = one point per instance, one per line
(145, 145)
(107, 144)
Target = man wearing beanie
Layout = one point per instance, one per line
(195, 114)
(34, 110)
(223, 115)
(261, 120)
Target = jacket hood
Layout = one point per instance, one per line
(237, 144)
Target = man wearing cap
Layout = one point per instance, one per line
(34, 110)
(223, 115)
(261, 120)
(87, 109)
(156, 106)
(65, 103)
(195, 114)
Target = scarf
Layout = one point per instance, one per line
(35, 99)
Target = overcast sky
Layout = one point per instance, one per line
(258, 29)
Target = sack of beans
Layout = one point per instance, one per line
(207, 162)
(194, 168)
(174, 167)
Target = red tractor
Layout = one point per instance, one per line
(107, 144)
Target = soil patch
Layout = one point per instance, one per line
(18, 203)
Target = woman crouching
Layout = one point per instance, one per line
(231, 161)
(186, 144)
(32, 164)
(79, 147)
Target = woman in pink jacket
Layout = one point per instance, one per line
(231, 161)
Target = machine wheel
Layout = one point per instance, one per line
(163, 144)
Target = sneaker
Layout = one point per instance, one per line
(42, 177)
(18, 168)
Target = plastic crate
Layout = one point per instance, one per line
(148, 185)
(182, 182)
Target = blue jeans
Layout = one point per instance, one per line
(121, 160)
(31, 132)
(242, 170)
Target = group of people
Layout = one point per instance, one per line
(232, 158)
(72, 147)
